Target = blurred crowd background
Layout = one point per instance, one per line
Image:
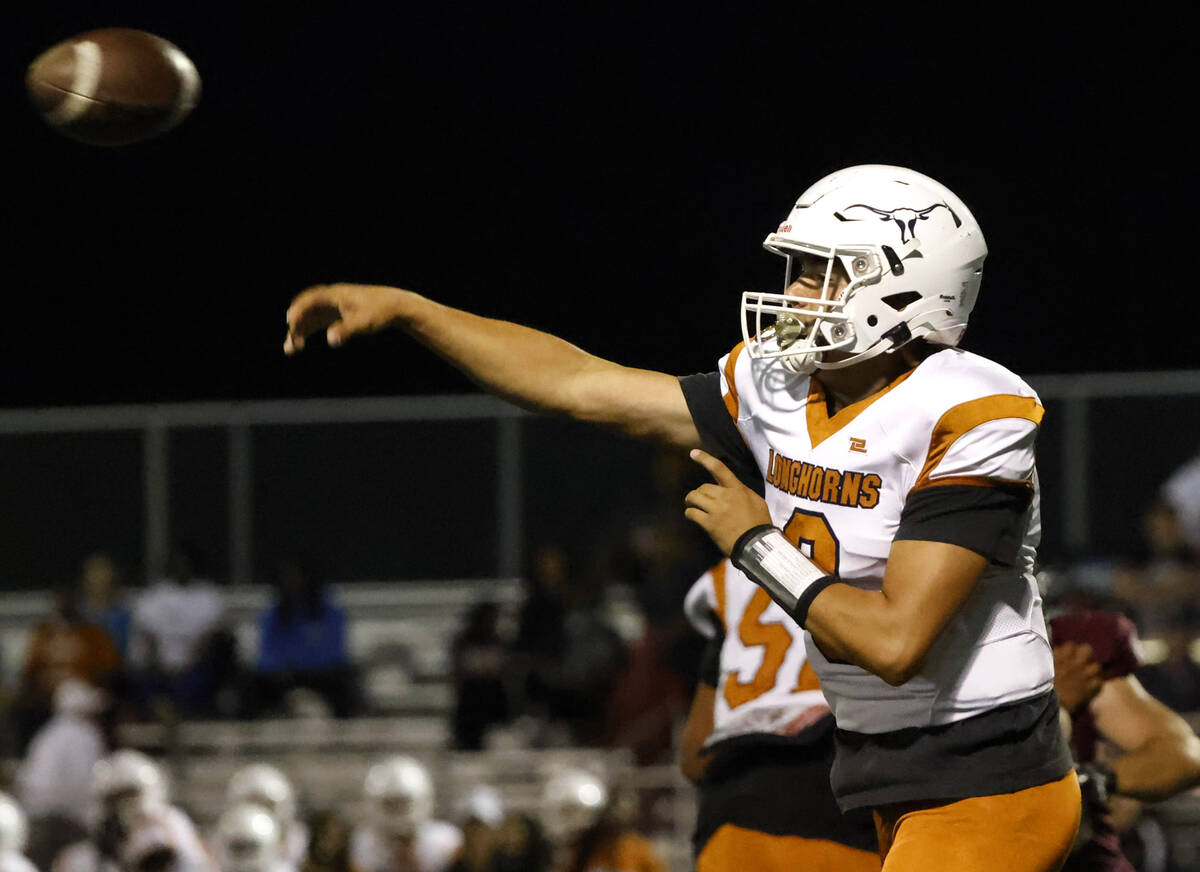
(580, 663)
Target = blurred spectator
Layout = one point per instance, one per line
(65, 645)
(521, 845)
(566, 650)
(1181, 492)
(1166, 577)
(480, 664)
(1175, 681)
(102, 602)
(55, 777)
(541, 628)
(647, 701)
(303, 642)
(183, 654)
(577, 683)
(329, 843)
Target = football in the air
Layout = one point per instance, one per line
(113, 86)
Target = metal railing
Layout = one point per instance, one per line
(1077, 394)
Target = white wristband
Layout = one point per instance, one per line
(778, 567)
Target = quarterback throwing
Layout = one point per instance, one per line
(876, 481)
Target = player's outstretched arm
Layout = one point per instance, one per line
(1162, 753)
(533, 369)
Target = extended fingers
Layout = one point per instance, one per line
(314, 309)
(716, 468)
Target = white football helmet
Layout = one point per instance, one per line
(572, 800)
(249, 839)
(14, 828)
(265, 785)
(400, 795)
(912, 252)
(130, 783)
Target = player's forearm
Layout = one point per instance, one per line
(865, 628)
(525, 366)
(543, 373)
(1160, 769)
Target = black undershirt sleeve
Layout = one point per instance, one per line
(718, 433)
(987, 520)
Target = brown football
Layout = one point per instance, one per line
(113, 86)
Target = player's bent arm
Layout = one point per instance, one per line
(693, 760)
(1162, 752)
(889, 631)
(528, 367)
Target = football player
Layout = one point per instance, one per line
(14, 832)
(266, 786)
(250, 839)
(584, 833)
(137, 829)
(1156, 754)
(760, 727)
(874, 479)
(401, 834)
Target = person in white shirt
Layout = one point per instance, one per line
(176, 622)
(56, 774)
(401, 834)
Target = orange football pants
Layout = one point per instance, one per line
(1028, 831)
(734, 849)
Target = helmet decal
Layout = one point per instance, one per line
(904, 218)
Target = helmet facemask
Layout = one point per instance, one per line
(803, 328)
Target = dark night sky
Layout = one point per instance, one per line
(605, 173)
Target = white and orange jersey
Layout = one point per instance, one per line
(765, 683)
(432, 849)
(837, 486)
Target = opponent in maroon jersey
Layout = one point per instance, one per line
(1159, 752)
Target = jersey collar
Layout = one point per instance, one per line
(821, 426)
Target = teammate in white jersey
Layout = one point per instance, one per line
(759, 725)
(401, 834)
(877, 482)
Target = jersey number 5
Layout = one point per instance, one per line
(810, 532)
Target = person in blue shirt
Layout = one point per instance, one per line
(303, 640)
(102, 601)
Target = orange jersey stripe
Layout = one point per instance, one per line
(963, 418)
(731, 398)
(718, 577)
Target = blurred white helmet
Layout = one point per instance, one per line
(77, 698)
(130, 783)
(572, 800)
(263, 784)
(912, 253)
(249, 839)
(482, 803)
(400, 793)
(14, 829)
